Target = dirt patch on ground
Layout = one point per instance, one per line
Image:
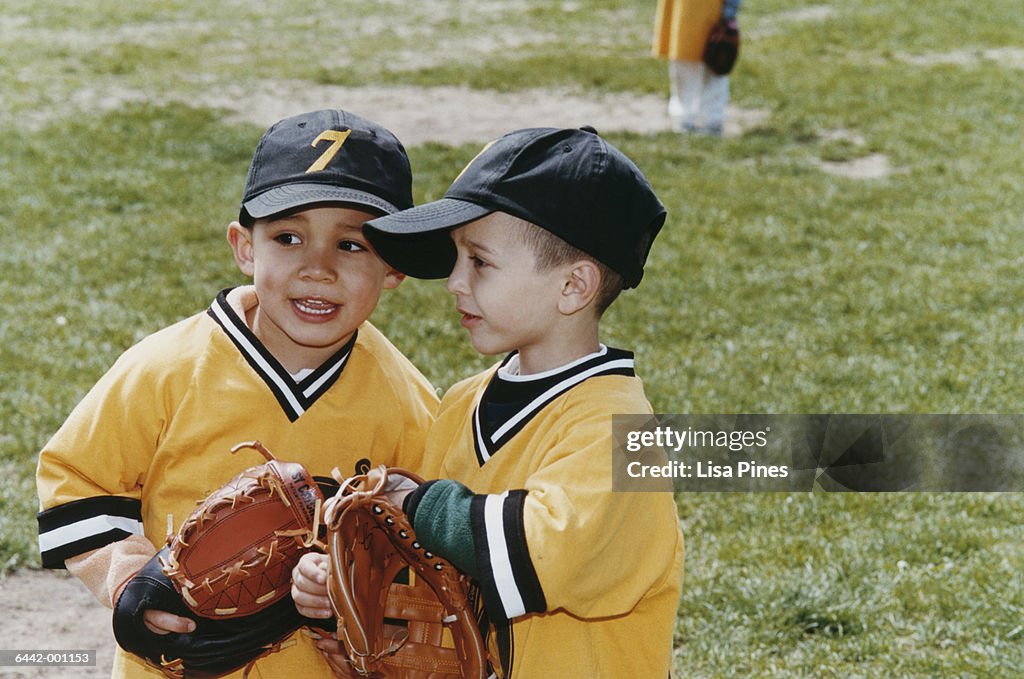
(457, 115)
(771, 25)
(449, 115)
(49, 610)
(1007, 57)
(873, 166)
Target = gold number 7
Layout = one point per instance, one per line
(338, 138)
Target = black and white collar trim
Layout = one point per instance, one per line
(545, 388)
(509, 368)
(295, 397)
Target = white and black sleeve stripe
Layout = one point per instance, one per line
(508, 579)
(80, 526)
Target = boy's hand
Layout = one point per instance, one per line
(152, 620)
(309, 586)
(162, 622)
(335, 657)
(397, 497)
(398, 488)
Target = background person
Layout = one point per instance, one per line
(698, 97)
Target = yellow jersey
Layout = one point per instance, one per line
(153, 436)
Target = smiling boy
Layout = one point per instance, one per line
(290, 360)
(316, 280)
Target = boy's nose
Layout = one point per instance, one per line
(318, 265)
(457, 279)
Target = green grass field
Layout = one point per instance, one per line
(775, 287)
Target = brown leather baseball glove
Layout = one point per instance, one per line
(229, 569)
(722, 47)
(421, 629)
(234, 555)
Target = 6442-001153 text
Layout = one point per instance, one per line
(51, 658)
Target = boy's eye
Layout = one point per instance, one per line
(477, 262)
(287, 239)
(351, 246)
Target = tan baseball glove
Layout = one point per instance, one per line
(417, 630)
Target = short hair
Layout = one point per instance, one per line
(551, 251)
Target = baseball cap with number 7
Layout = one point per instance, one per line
(326, 156)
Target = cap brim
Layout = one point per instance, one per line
(416, 241)
(291, 196)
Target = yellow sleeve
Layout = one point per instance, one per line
(596, 552)
(90, 474)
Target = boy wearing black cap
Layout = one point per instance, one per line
(537, 236)
(288, 360)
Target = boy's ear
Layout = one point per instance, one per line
(240, 239)
(392, 278)
(579, 287)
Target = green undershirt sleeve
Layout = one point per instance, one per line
(440, 515)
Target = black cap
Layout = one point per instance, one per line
(323, 157)
(569, 181)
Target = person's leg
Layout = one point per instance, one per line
(713, 102)
(686, 82)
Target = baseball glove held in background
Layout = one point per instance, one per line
(391, 630)
(722, 47)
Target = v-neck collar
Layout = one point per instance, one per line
(513, 401)
(295, 397)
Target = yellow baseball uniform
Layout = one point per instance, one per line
(153, 436)
(682, 27)
(576, 580)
